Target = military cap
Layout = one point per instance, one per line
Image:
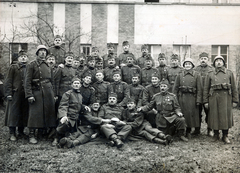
(130, 99)
(76, 79)
(57, 36)
(41, 47)
(125, 43)
(161, 55)
(130, 55)
(144, 46)
(22, 52)
(165, 81)
(98, 59)
(218, 57)
(148, 57)
(203, 54)
(112, 94)
(69, 54)
(155, 75)
(89, 58)
(111, 56)
(94, 49)
(110, 45)
(174, 56)
(188, 60)
(50, 55)
(116, 71)
(136, 75)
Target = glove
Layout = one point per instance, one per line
(9, 98)
(31, 99)
(106, 120)
(87, 109)
(180, 114)
(206, 105)
(64, 119)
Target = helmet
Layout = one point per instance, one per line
(188, 60)
(41, 47)
(218, 57)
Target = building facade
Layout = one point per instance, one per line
(184, 27)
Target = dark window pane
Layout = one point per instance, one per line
(151, 1)
(214, 50)
(24, 46)
(224, 50)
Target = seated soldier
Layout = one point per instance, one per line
(117, 130)
(70, 108)
(168, 110)
(143, 127)
(85, 130)
(136, 90)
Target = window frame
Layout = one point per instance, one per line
(14, 55)
(88, 46)
(180, 51)
(221, 54)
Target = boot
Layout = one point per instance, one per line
(32, 138)
(55, 142)
(196, 131)
(216, 136)
(210, 132)
(225, 139)
(13, 137)
(181, 135)
(160, 141)
(169, 139)
(76, 143)
(116, 141)
(62, 142)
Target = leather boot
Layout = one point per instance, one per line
(116, 141)
(225, 139)
(160, 141)
(196, 131)
(169, 139)
(216, 136)
(32, 138)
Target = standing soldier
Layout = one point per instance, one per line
(99, 63)
(40, 94)
(174, 70)
(57, 50)
(123, 56)
(145, 55)
(87, 91)
(203, 69)
(147, 71)
(136, 90)
(16, 114)
(110, 47)
(188, 89)
(108, 71)
(129, 70)
(52, 62)
(82, 65)
(90, 70)
(162, 68)
(219, 94)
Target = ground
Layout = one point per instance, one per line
(200, 154)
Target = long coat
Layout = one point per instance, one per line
(16, 114)
(39, 84)
(172, 74)
(188, 89)
(220, 92)
(59, 54)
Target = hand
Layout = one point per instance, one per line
(55, 98)
(235, 105)
(110, 126)
(155, 111)
(115, 119)
(106, 120)
(198, 104)
(87, 108)
(61, 65)
(180, 114)
(94, 135)
(31, 99)
(206, 105)
(9, 98)
(139, 109)
(117, 67)
(122, 122)
(64, 119)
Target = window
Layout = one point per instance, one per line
(220, 1)
(183, 51)
(85, 48)
(220, 50)
(15, 48)
(154, 50)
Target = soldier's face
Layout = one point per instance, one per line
(99, 65)
(112, 100)
(155, 80)
(203, 60)
(95, 106)
(57, 42)
(42, 53)
(76, 85)
(129, 60)
(110, 49)
(163, 87)
(148, 63)
(51, 61)
(82, 60)
(116, 77)
(87, 80)
(23, 59)
(174, 62)
(188, 66)
(126, 48)
(91, 63)
(69, 60)
(131, 105)
(135, 80)
(219, 63)
(144, 51)
(95, 53)
(99, 76)
(111, 62)
(162, 61)
(76, 64)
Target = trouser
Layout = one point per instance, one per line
(224, 132)
(81, 137)
(201, 108)
(150, 133)
(64, 129)
(178, 124)
(150, 116)
(12, 130)
(121, 131)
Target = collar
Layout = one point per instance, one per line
(100, 82)
(186, 72)
(155, 86)
(21, 65)
(130, 65)
(76, 91)
(126, 52)
(221, 69)
(68, 65)
(40, 61)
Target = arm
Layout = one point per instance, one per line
(145, 96)
(28, 80)
(137, 122)
(92, 119)
(63, 106)
(176, 85)
(126, 95)
(234, 89)
(199, 89)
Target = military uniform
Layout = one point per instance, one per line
(108, 74)
(163, 72)
(59, 54)
(141, 61)
(90, 72)
(88, 94)
(172, 74)
(106, 58)
(146, 76)
(101, 91)
(129, 71)
(136, 93)
(123, 57)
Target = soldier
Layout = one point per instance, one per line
(90, 70)
(120, 88)
(147, 71)
(145, 55)
(110, 47)
(101, 88)
(129, 70)
(116, 131)
(203, 69)
(220, 95)
(162, 68)
(148, 93)
(95, 52)
(50, 59)
(57, 50)
(16, 113)
(168, 110)
(174, 70)
(82, 65)
(76, 63)
(108, 71)
(188, 89)
(123, 56)
(136, 90)
(142, 127)
(87, 91)
(99, 63)
(40, 94)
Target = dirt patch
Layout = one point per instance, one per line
(200, 154)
